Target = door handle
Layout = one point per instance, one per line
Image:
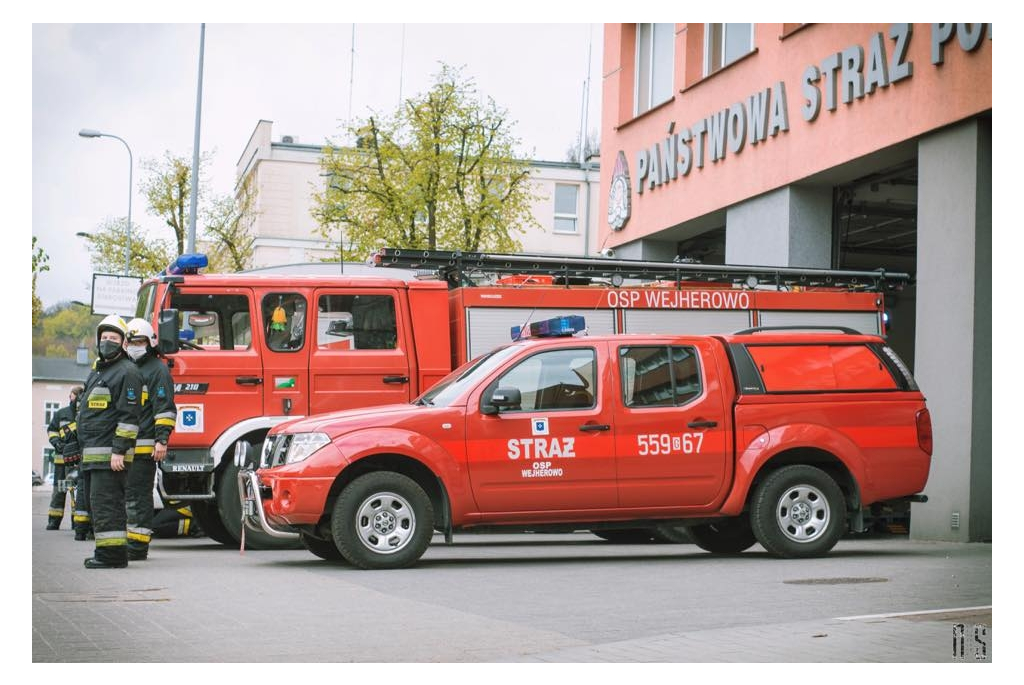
(248, 380)
(702, 424)
(396, 380)
(594, 427)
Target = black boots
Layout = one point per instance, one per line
(53, 524)
(137, 554)
(93, 562)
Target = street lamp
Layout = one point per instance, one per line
(90, 133)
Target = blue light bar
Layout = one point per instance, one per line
(187, 264)
(557, 327)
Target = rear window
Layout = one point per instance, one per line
(820, 368)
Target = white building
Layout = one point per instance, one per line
(287, 173)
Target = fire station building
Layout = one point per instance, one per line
(857, 146)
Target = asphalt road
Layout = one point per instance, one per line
(507, 598)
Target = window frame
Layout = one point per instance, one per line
(50, 409)
(651, 100)
(266, 320)
(575, 216)
(707, 49)
(621, 354)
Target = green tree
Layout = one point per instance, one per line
(167, 186)
(441, 172)
(39, 265)
(62, 328)
(228, 230)
(106, 250)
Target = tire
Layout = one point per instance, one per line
(625, 536)
(669, 534)
(382, 520)
(230, 510)
(798, 511)
(325, 549)
(727, 536)
(209, 521)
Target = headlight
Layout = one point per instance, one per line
(303, 445)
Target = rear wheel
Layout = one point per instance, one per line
(727, 536)
(325, 549)
(230, 509)
(382, 520)
(625, 536)
(798, 511)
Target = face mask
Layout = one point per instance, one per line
(136, 352)
(108, 349)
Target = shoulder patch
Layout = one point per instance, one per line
(131, 395)
(161, 391)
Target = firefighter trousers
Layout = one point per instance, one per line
(57, 499)
(81, 520)
(139, 500)
(109, 519)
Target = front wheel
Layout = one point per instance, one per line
(798, 511)
(382, 520)
(229, 507)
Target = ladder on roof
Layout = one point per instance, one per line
(456, 267)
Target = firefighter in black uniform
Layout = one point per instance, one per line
(58, 431)
(158, 417)
(108, 423)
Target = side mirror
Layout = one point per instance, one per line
(167, 331)
(507, 398)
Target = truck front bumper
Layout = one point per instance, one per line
(254, 517)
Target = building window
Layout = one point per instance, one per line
(566, 198)
(49, 409)
(726, 43)
(655, 50)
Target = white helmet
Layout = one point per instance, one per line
(112, 322)
(140, 328)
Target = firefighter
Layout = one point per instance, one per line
(158, 418)
(57, 432)
(108, 423)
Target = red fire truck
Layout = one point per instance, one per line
(248, 351)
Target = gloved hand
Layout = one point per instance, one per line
(72, 459)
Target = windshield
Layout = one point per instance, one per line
(467, 375)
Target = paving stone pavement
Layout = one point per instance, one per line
(510, 600)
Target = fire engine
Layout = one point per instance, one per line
(249, 351)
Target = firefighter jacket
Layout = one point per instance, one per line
(62, 422)
(109, 411)
(158, 410)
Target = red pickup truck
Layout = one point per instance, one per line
(776, 437)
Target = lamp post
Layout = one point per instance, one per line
(90, 133)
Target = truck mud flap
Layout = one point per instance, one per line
(253, 516)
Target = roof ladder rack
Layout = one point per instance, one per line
(456, 267)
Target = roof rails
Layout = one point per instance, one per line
(759, 329)
(456, 266)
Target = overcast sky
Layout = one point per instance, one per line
(138, 81)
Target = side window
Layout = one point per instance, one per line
(284, 321)
(560, 379)
(208, 323)
(659, 376)
(356, 322)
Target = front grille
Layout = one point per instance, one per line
(275, 447)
